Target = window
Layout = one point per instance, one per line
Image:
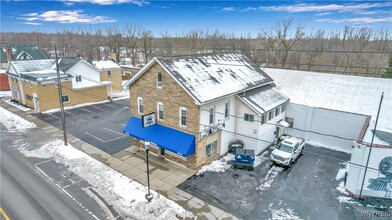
(227, 107)
(283, 108)
(249, 117)
(211, 115)
(270, 115)
(160, 110)
(277, 111)
(15, 93)
(159, 80)
(139, 105)
(78, 78)
(109, 72)
(263, 119)
(65, 98)
(183, 116)
(211, 149)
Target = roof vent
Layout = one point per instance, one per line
(205, 62)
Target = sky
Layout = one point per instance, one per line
(177, 17)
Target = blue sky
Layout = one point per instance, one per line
(239, 17)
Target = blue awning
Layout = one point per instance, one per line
(167, 138)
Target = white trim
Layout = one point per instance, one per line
(21, 91)
(69, 98)
(180, 118)
(163, 114)
(213, 115)
(138, 105)
(228, 110)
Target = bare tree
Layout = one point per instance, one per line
(114, 41)
(147, 44)
(131, 34)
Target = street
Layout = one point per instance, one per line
(27, 193)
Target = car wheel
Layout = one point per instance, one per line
(290, 163)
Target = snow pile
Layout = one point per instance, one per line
(125, 195)
(14, 123)
(340, 176)
(18, 106)
(75, 106)
(217, 165)
(5, 94)
(283, 214)
(328, 147)
(269, 178)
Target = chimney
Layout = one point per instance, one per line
(8, 53)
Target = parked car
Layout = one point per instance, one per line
(288, 151)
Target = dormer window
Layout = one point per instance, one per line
(159, 80)
(109, 72)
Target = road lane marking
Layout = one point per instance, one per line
(115, 138)
(109, 106)
(4, 214)
(43, 162)
(69, 112)
(95, 137)
(84, 109)
(54, 116)
(96, 107)
(116, 132)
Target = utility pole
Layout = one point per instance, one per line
(371, 146)
(61, 98)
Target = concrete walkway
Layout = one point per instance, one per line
(165, 175)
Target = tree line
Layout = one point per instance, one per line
(361, 51)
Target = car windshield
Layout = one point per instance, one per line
(285, 148)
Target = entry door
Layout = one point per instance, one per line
(161, 151)
(36, 102)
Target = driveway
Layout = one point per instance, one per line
(308, 190)
(100, 125)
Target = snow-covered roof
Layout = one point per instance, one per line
(263, 99)
(37, 70)
(210, 76)
(338, 92)
(106, 64)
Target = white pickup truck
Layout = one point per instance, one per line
(288, 151)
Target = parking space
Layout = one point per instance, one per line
(307, 190)
(100, 125)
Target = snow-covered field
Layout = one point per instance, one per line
(125, 195)
(14, 123)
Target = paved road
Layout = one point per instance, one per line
(28, 194)
(100, 125)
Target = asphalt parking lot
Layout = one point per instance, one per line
(100, 125)
(307, 190)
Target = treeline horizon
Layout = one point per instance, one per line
(361, 51)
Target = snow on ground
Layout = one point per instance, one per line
(315, 144)
(282, 213)
(18, 106)
(5, 94)
(120, 95)
(221, 165)
(14, 123)
(75, 106)
(217, 165)
(265, 183)
(125, 195)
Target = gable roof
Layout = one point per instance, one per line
(354, 94)
(29, 49)
(67, 63)
(207, 77)
(106, 64)
(263, 99)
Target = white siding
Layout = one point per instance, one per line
(85, 70)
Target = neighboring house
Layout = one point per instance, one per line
(34, 84)
(202, 103)
(110, 71)
(17, 52)
(129, 71)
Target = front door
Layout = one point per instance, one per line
(161, 152)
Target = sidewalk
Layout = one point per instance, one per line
(165, 175)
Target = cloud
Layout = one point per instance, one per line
(32, 23)
(324, 13)
(228, 9)
(330, 7)
(107, 2)
(361, 20)
(67, 16)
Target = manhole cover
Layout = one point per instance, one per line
(235, 175)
